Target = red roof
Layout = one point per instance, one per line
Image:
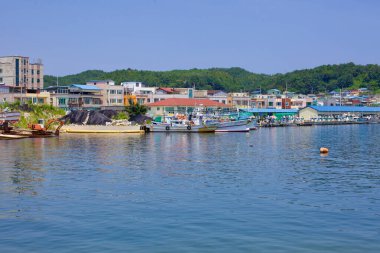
(167, 90)
(188, 102)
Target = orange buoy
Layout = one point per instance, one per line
(324, 150)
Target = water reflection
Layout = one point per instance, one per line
(176, 189)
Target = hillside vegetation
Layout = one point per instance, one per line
(320, 79)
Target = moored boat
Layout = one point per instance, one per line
(11, 136)
(184, 128)
(230, 126)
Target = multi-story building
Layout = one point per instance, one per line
(138, 92)
(214, 95)
(163, 93)
(113, 95)
(239, 99)
(20, 74)
(75, 96)
(182, 105)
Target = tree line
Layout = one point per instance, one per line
(321, 79)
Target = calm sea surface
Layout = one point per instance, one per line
(266, 191)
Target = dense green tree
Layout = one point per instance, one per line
(135, 109)
(320, 79)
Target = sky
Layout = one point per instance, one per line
(261, 36)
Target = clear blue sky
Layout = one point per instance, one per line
(262, 36)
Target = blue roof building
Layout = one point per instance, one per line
(84, 88)
(262, 112)
(269, 110)
(311, 112)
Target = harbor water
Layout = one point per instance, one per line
(269, 190)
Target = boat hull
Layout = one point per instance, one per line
(101, 129)
(181, 129)
(232, 126)
(11, 136)
(241, 128)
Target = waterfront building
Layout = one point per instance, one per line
(19, 73)
(5, 94)
(274, 92)
(112, 95)
(314, 112)
(163, 93)
(132, 87)
(76, 96)
(182, 105)
(239, 99)
(258, 101)
(301, 101)
(137, 91)
(272, 102)
(265, 112)
(215, 95)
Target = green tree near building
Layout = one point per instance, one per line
(135, 109)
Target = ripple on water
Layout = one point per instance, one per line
(269, 190)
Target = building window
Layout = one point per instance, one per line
(1, 79)
(32, 80)
(38, 72)
(62, 101)
(38, 80)
(119, 92)
(32, 71)
(1, 71)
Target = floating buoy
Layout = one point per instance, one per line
(324, 150)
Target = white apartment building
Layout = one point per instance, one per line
(143, 94)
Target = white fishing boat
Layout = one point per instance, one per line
(173, 124)
(229, 126)
(165, 127)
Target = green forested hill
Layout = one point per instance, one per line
(320, 79)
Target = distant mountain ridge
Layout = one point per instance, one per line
(324, 78)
